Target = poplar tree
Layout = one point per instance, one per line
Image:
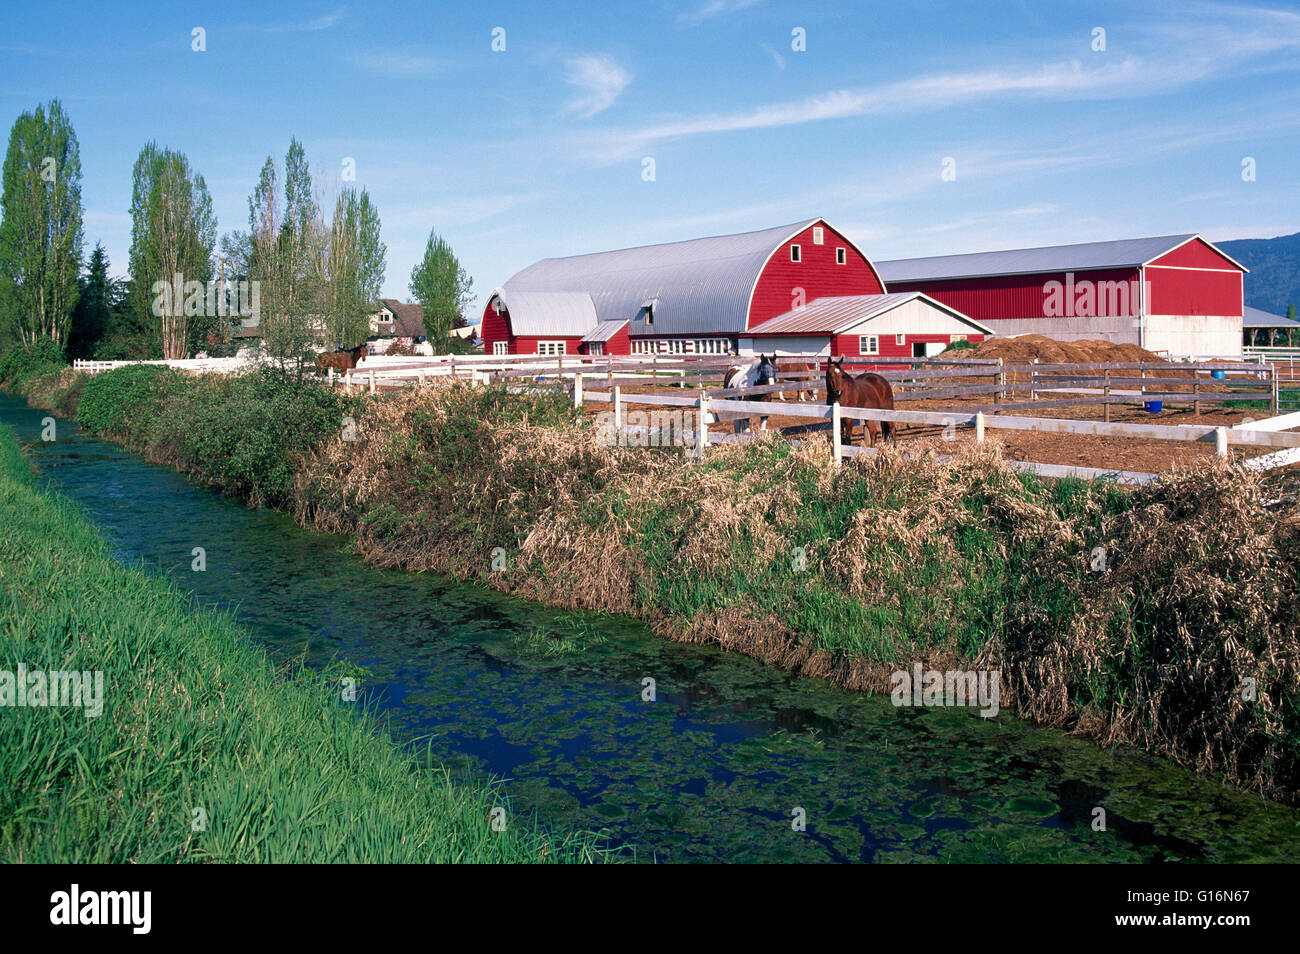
(41, 235)
(354, 268)
(173, 233)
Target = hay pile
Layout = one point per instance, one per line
(1026, 348)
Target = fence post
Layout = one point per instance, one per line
(1001, 382)
(330, 371)
(1272, 374)
(1106, 391)
(1033, 382)
(1196, 390)
(347, 382)
(1221, 441)
(836, 448)
(979, 427)
(577, 390)
(453, 367)
(618, 411)
(372, 380)
(702, 431)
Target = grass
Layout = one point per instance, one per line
(196, 718)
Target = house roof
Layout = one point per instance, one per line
(408, 318)
(605, 330)
(701, 285)
(1257, 318)
(1027, 261)
(566, 314)
(837, 315)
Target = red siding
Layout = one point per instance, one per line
(816, 273)
(619, 343)
(1196, 254)
(1179, 291)
(494, 327)
(1010, 296)
(528, 345)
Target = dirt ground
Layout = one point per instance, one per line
(1108, 453)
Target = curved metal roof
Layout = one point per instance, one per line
(565, 314)
(702, 286)
(1028, 261)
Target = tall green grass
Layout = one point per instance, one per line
(196, 718)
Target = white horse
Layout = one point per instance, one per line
(759, 371)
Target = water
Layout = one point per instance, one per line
(715, 768)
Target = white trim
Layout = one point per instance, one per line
(819, 235)
(551, 353)
(953, 312)
(500, 347)
(796, 254)
(1193, 238)
(841, 255)
(1194, 268)
(872, 352)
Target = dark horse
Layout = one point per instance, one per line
(863, 390)
(341, 359)
(759, 371)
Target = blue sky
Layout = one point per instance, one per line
(540, 149)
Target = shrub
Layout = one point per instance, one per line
(126, 402)
(24, 363)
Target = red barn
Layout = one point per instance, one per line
(700, 296)
(1171, 293)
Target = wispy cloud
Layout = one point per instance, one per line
(776, 57)
(713, 8)
(397, 64)
(597, 80)
(1219, 41)
(310, 25)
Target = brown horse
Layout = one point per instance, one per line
(862, 390)
(804, 388)
(341, 359)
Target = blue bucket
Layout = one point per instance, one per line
(1154, 407)
(1218, 375)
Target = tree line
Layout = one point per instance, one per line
(308, 270)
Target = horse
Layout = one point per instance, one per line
(342, 359)
(759, 371)
(803, 394)
(863, 390)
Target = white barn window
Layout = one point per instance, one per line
(952, 338)
(900, 339)
(819, 235)
(794, 253)
(500, 347)
(551, 348)
(841, 256)
(869, 344)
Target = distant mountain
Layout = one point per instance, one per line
(1274, 279)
